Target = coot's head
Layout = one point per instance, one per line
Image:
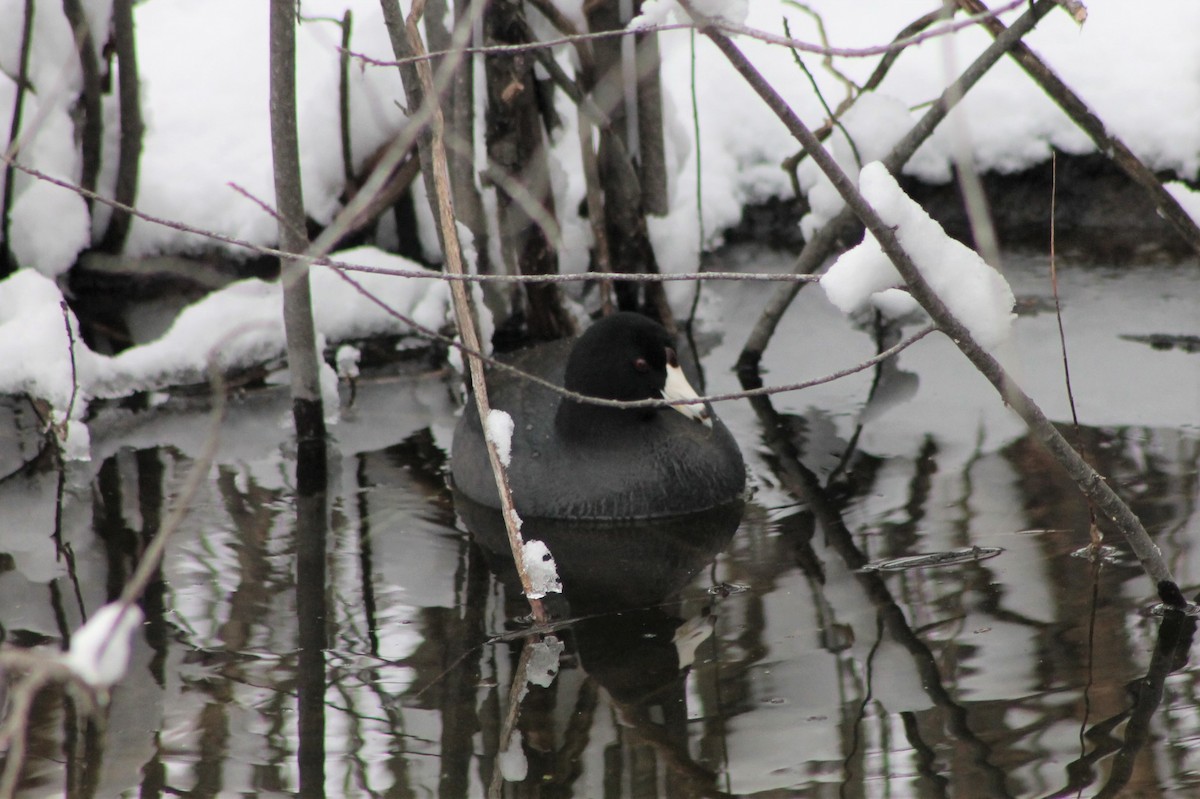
(627, 356)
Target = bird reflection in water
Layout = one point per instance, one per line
(625, 641)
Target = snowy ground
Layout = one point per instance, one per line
(204, 68)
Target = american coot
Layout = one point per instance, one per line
(574, 460)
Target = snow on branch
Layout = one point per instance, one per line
(99, 653)
(973, 291)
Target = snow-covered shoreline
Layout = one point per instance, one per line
(204, 73)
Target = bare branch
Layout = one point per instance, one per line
(443, 208)
(303, 364)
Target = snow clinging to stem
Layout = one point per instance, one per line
(973, 291)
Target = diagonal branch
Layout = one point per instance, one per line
(406, 38)
(1090, 483)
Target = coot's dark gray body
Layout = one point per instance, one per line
(590, 462)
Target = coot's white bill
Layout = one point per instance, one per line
(678, 388)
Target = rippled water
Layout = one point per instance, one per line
(387, 667)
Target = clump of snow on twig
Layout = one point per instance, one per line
(347, 358)
(499, 432)
(974, 292)
(511, 759)
(543, 661)
(541, 569)
(99, 653)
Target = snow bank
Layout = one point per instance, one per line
(208, 128)
(242, 324)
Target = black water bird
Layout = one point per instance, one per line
(576, 460)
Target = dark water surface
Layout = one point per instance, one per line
(387, 667)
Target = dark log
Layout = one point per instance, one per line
(90, 122)
(132, 127)
(630, 249)
(8, 262)
(516, 148)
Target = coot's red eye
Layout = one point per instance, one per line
(641, 365)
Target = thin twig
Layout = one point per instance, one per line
(851, 87)
(699, 176)
(347, 23)
(880, 72)
(1062, 335)
(833, 118)
(474, 355)
(66, 422)
(444, 211)
(1095, 536)
(628, 277)
(719, 24)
